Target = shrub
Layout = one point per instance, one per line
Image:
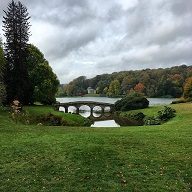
(52, 120)
(152, 121)
(166, 114)
(20, 116)
(163, 116)
(130, 103)
(138, 116)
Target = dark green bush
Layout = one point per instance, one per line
(166, 114)
(130, 103)
(163, 116)
(138, 116)
(152, 121)
(52, 120)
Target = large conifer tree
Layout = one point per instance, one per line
(2, 65)
(2, 61)
(16, 30)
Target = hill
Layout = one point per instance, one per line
(160, 82)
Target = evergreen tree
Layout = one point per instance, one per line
(2, 65)
(16, 30)
(2, 61)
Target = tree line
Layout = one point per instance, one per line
(24, 72)
(168, 82)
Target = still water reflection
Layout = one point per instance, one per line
(108, 120)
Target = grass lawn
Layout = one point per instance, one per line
(34, 114)
(81, 159)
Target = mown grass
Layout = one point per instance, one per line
(33, 114)
(91, 95)
(75, 159)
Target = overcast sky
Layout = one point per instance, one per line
(91, 37)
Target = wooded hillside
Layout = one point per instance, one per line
(160, 82)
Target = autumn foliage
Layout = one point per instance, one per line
(140, 88)
(188, 89)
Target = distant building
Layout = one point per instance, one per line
(90, 90)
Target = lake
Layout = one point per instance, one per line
(110, 121)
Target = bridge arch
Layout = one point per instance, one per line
(79, 104)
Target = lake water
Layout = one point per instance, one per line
(110, 121)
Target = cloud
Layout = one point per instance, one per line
(95, 37)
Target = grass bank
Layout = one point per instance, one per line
(75, 159)
(44, 114)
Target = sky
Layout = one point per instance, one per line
(92, 37)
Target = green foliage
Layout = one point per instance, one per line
(166, 114)
(51, 120)
(138, 116)
(2, 61)
(40, 115)
(163, 116)
(44, 81)
(28, 75)
(20, 117)
(155, 82)
(16, 27)
(152, 121)
(2, 66)
(77, 87)
(114, 89)
(43, 111)
(71, 90)
(131, 102)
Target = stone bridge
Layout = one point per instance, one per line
(78, 104)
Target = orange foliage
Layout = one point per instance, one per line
(139, 88)
(188, 89)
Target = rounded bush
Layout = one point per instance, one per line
(130, 103)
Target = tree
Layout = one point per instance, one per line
(71, 89)
(188, 89)
(2, 61)
(2, 65)
(114, 88)
(177, 85)
(16, 30)
(105, 90)
(164, 87)
(128, 83)
(140, 88)
(44, 81)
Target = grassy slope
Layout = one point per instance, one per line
(33, 111)
(148, 158)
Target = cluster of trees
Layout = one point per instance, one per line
(24, 71)
(160, 82)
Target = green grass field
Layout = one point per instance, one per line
(83, 159)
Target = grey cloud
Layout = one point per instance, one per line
(181, 7)
(73, 42)
(94, 37)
